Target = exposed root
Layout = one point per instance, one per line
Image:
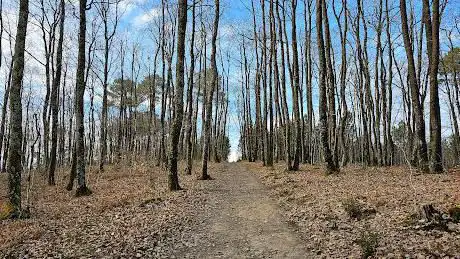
(83, 191)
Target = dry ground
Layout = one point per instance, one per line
(315, 204)
(131, 215)
(246, 211)
(240, 220)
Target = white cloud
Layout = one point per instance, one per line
(127, 6)
(146, 17)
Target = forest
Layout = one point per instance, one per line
(231, 129)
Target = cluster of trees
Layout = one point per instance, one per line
(366, 66)
(109, 98)
(105, 103)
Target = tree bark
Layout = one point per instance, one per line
(82, 189)
(432, 42)
(330, 166)
(178, 97)
(415, 92)
(189, 154)
(14, 164)
(55, 98)
(287, 128)
(295, 89)
(104, 13)
(207, 128)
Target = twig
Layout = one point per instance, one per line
(410, 175)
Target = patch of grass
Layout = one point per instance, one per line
(357, 210)
(285, 192)
(6, 208)
(353, 208)
(411, 219)
(368, 241)
(331, 221)
(454, 213)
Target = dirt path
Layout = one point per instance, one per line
(229, 217)
(239, 220)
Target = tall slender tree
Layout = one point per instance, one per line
(14, 164)
(295, 88)
(189, 143)
(432, 42)
(54, 101)
(343, 78)
(104, 11)
(330, 165)
(415, 91)
(210, 94)
(287, 128)
(178, 97)
(390, 145)
(80, 86)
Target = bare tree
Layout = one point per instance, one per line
(210, 94)
(287, 128)
(54, 104)
(178, 97)
(330, 165)
(432, 42)
(295, 88)
(343, 78)
(80, 86)
(189, 143)
(104, 11)
(415, 91)
(14, 166)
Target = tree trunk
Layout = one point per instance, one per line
(207, 128)
(343, 79)
(432, 39)
(330, 166)
(14, 165)
(104, 13)
(415, 92)
(55, 98)
(287, 132)
(82, 189)
(332, 118)
(295, 88)
(390, 145)
(188, 170)
(178, 97)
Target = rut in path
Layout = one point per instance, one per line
(241, 221)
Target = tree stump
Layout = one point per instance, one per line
(432, 218)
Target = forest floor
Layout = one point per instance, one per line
(246, 211)
(130, 214)
(366, 210)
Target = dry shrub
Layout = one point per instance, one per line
(454, 213)
(353, 208)
(6, 208)
(368, 241)
(411, 219)
(356, 209)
